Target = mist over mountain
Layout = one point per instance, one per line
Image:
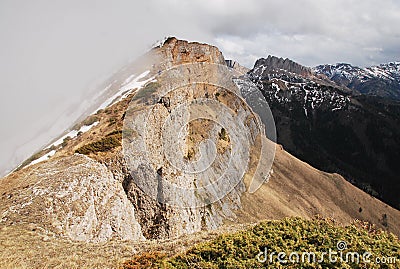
(55, 54)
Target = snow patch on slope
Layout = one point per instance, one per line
(43, 158)
(74, 133)
(127, 88)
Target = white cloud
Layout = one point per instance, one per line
(230, 46)
(315, 32)
(54, 52)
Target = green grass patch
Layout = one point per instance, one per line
(239, 249)
(88, 121)
(147, 91)
(111, 141)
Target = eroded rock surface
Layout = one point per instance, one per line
(76, 197)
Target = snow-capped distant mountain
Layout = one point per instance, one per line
(289, 83)
(382, 80)
(334, 127)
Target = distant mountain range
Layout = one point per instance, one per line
(338, 118)
(382, 80)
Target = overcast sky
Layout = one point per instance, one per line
(54, 53)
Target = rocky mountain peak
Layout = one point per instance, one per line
(175, 52)
(273, 64)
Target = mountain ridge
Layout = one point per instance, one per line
(311, 113)
(94, 157)
(175, 54)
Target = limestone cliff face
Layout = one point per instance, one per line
(164, 185)
(178, 151)
(179, 143)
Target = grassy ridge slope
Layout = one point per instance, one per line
(239, 249)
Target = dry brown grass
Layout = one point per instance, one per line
(298, 189)
(24, 248)
(198, 131)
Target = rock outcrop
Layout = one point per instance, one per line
(175, 52)
(237, 67)
(75, 197)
